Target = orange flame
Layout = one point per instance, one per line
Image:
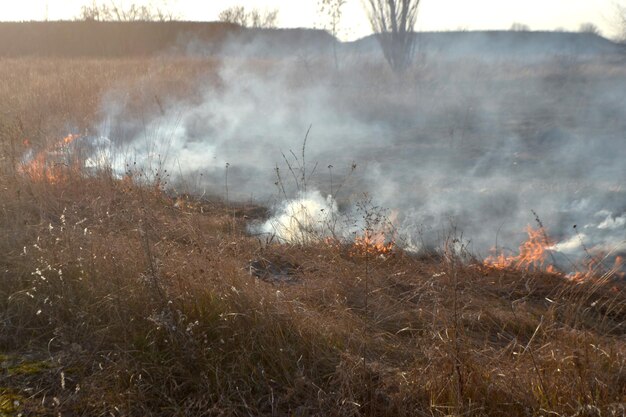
(377, 242)
(618, 267)
(594, 268)
(532, 253)
(50, 164)
(372, 243)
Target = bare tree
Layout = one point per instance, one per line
(332, 10)
(394, 22)
(621, 21)
(254, 18)
(266, 20)
(235, 14)
(93, 12)
(520, 27)
(133, 13)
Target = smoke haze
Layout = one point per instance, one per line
(470, 144)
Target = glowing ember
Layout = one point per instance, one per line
(50, 164)
(532, 253)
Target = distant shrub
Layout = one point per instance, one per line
(589, 28)
(253, 18)
(133, 13)
(520, 27)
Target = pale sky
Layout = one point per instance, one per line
(434, 14)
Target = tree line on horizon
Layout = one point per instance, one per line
(393, 22)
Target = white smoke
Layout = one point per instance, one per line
(308, 218)
(571, 246)
(611, 222)
(464, 146)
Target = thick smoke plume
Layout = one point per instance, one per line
(305, 219)
(469, 146)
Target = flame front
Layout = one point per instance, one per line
(532, 253)
(52, 164)
(372, 243)
(594, 267)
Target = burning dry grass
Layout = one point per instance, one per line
(119, 300)
(52, 165)
(534, 255)
(137, 306)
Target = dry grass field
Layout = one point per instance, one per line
(120, 298)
